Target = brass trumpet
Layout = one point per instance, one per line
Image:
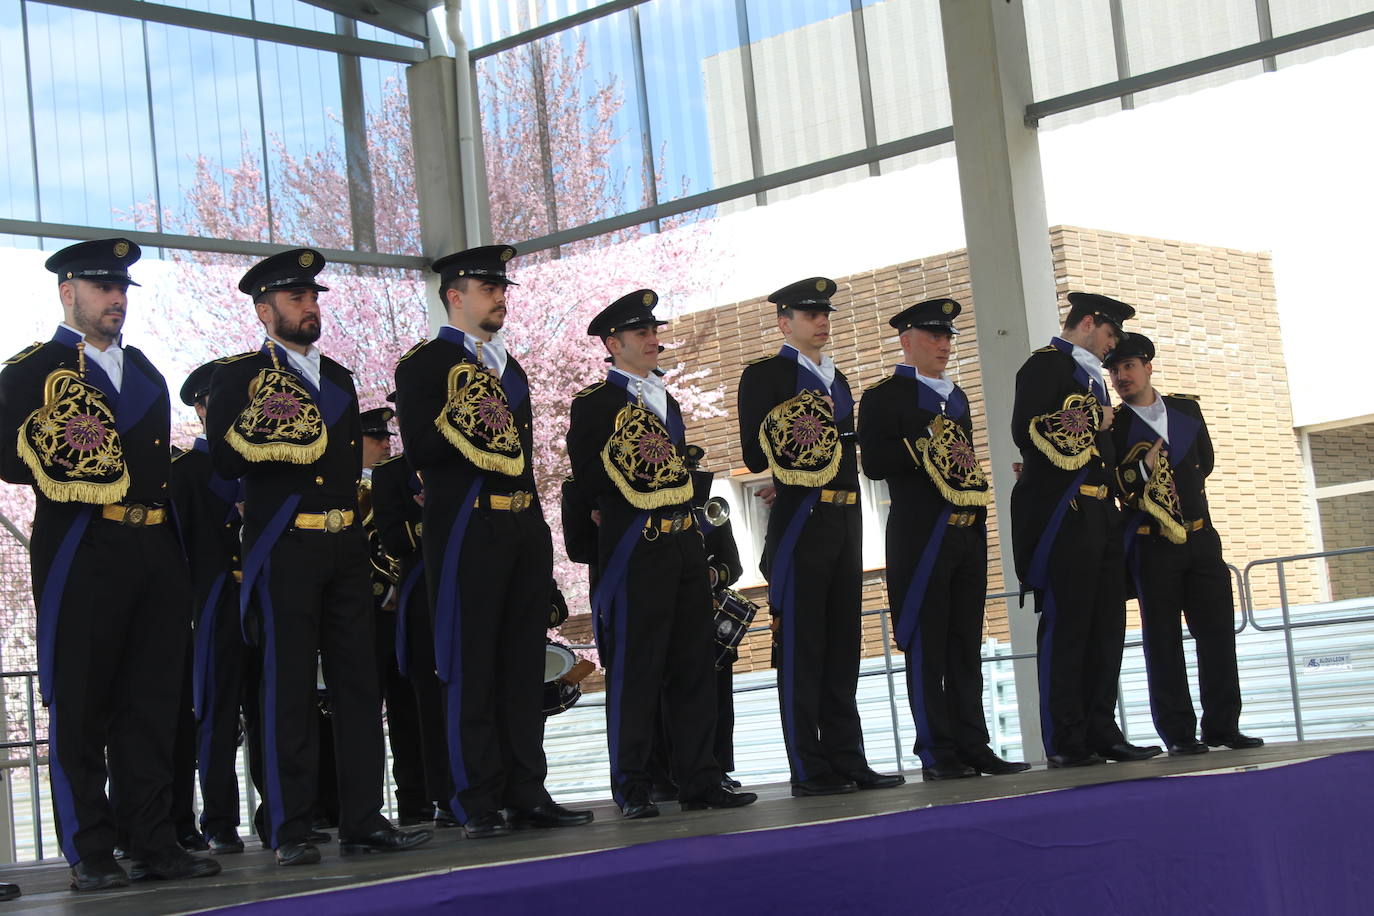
(716, 511)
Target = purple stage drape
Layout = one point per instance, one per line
(1292, 839)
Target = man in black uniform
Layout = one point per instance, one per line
(1066, 534)
(1173, 555)
(796, 417)
(396, 501)
(86, 423)
(284, 419)
(207, 512)
(652, 603)
(466, 420)
(916, 432)
(402, 717)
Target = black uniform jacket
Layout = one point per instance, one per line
(1189, 450)
(142, 410)
(1043, 384)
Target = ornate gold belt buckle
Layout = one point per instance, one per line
(135, 516)
(520, 500)
(676, 525)
(334, 521)
(839, 497)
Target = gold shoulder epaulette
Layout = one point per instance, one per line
(761, 359)
(588, 390)
(886, 378)
(1048, 348)
(407, 353)
(397, 457)
(24, 352)
(1186, 397)
(223, 360)
(179, 453)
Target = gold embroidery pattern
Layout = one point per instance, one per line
(476, 420)
(642, 461)
(280, 423)
(1067, 437)
(801, 441)
(71, 445)
(953, 466)
(1159, 499)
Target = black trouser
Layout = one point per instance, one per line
(1191, 579)
(223, 699)
(494, 699)
(429, 699)
(944, 665)
(723, 749)
(184, 758)
(1081, 632)
(121, 634)
(821, 639)
(402, 724)
(319, 606)
(656, 647)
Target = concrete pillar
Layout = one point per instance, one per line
(1009, 255)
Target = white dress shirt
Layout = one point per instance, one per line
(493, 351)
(110, 360)
(307, 363)
(650, 390)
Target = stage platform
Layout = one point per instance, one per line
(1280, 829)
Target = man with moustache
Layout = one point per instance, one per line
(1066, 534)
(1173, 555)
(796, 418)
(465, 416)
(652, 602)
(916, 432)
(285, 420)
(86, 422)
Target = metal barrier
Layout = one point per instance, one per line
(890, 669)
(1288, 625)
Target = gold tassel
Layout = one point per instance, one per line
(797, 478)
(272, 352)
(1057, 458)
(71, 491)
(510, 465)
(921, 453)
(655, 499)
(81, 358)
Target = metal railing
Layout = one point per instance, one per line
(1248, 617)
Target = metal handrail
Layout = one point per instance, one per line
(1288, 626)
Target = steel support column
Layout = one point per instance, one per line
(1009, 256)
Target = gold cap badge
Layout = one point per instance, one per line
(948, 307)
(648, 298)
(121, 248)
(306, 259)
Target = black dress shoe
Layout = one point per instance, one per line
(1125, 752)
(387, 839)
(9, 891)
(224, 841)
(1186, 747)
(946, 770)
(97, 873)
(989, 764)
(193, 842)
(638, 810)
(1236, 741)
(661, 792)
(1060, 761)
(869, 779)
(170, 864)
(443, 818)
(298, 854)
(549, 814)
(729, 782)
(719, 797)
(317, 837)
(829, 784)
(486, 826)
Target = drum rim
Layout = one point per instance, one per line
(566, 660)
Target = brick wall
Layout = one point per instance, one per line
(1345, 456)
(1210, 311)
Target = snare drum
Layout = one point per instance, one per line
(734, 614)
(563, 673)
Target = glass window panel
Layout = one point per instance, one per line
(16, 166)
(807, 86)
(1344, 455)
(95, 146)
(561, 130)
(1161, 33)
(1071, 48)
(1288, 16)
(696, 95)
(243, 9)
(906, 60)
(293, 13)
(208, 125)
(485, 21)
(391, 156)
(1348, 521)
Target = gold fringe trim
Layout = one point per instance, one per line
(511, 466)
(1057, 458)
(72, 491)
(288, 452)
(655, 499)
(795, 478)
